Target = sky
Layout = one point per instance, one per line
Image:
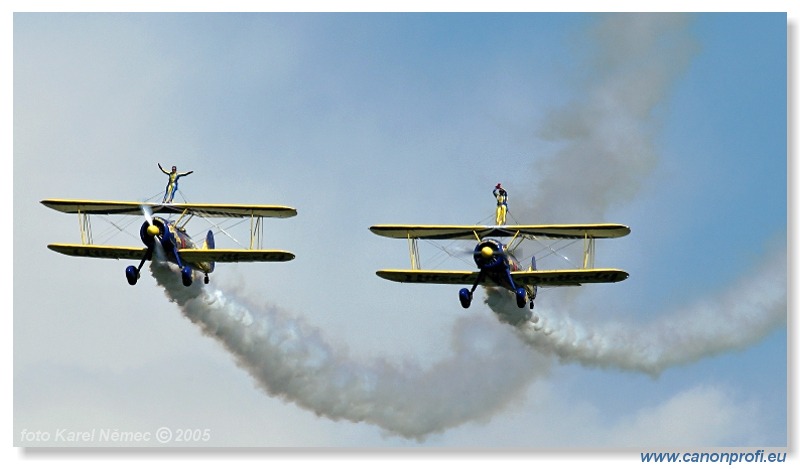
(672, 124)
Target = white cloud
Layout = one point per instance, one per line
(703, 416)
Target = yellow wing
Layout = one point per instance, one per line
(604, 230)
(567, 277)
(99, 207)
(442, 277)
(234, 255)
(193, 256)
(572, 277)
(99, 251)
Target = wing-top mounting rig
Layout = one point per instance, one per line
(171, 234)
(497, 266)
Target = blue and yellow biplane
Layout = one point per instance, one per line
(171, 235)
(497, 266)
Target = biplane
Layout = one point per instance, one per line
(163, 232)
(497, 266)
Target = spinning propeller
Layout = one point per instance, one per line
(150, 233)
(156, 230)
(153, 230)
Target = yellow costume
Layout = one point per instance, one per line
(172, 185)
(502, 204)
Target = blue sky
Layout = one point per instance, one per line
(673, 125)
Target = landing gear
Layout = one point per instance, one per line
(132, 274)
(522, 297)
(465, 297)
(205, 279)
(534, 290)
(465, 294)
(186, 276)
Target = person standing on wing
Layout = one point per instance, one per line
(502, 204)
(172, 185)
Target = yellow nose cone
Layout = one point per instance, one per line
(487, 252)
(152, 230)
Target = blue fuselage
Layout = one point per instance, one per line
(496, 262)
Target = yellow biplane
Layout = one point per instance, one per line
(171, 235)
(496, 264)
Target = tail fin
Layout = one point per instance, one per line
(209, 244)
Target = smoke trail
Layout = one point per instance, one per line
(289, 359)
(608, 153)
(489, 368)
(734, 318)
(607, 132)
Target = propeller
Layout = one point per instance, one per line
(487, 253)
(153, 229)
(148, 213)
(149, 234)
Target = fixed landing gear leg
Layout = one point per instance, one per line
(132, 273)
(465, 295)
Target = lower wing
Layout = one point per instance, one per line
(443, 277)
(553, 278)
(99, 251)
(572, 277)
(193, 256)
(234, 255)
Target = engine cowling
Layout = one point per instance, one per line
(148, 232)
(489, 254)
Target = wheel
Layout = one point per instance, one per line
(522, 297)
(205, 279)
(132, 274)
(534, 289)
(465, 297)
(186, 276)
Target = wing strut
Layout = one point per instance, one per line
(413, 252)
(588, 252)
(85, 226)
(256, 232)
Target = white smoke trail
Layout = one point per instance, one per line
(289, 359)
(489, 368)
(608, 153)
(732, 319)
(607, 131)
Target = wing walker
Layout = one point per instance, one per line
(493, 252)
(168, 232)
(495, 262)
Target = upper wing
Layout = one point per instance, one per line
(99, 251)
(234, 255)
(99, 207)
(552, 278)
(605, 230)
